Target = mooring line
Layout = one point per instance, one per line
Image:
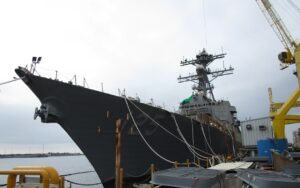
(83, 184)
(167, 130)
(7, 82)
(84, 172)
(143, 138)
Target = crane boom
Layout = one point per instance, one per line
(281, 31)
(279, 111)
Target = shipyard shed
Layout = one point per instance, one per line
(256, 129)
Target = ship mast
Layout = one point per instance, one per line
(203, 84)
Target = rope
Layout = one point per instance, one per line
(129, 110)
(145, 180)
(83, 184)
(209, 135)
(185, 141)
(140, 175)
(84, 172)
(207, 141)
(233, 147)
(7, 82)
(209, 145)
(193, 140)
(211, 161)
(197, 165)
(163, 128)
(203, 151)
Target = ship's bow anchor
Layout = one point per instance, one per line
(47, 113)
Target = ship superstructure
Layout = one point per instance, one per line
(202, 103)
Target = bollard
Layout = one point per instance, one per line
(121, 177)
(188, 163)
(62, 182)
(118, 153)
(152, 169)
(176, 164)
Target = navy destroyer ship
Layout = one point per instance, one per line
(202, 130)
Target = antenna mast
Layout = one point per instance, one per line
(203, 84)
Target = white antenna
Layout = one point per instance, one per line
(56, 72)
(85, 83)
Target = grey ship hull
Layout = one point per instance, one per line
(89, 118)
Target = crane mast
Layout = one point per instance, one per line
(279, 111)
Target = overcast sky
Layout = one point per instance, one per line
(138, 45)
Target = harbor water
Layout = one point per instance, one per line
(63, 164)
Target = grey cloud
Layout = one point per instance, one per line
(137, 45)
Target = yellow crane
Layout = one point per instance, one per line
(279, 111)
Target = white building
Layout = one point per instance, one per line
(256, 129)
